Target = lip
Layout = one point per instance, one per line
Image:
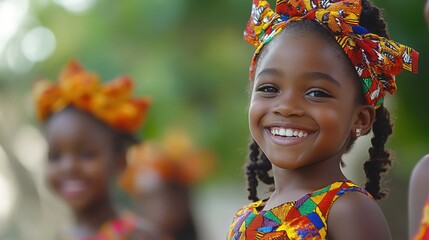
(72, 188)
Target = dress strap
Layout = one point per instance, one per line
(327, 196)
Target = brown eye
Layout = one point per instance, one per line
(53, 156)
(267, 89)
(87, 154)
(317, 93)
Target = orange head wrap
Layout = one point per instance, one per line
(111, 103)
(174, 160)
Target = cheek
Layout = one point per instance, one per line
(51, 175)
(98, 169)
(333, 121)
(329, 118)
(254, 115)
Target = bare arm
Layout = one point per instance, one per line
(354, 216)
(418, 192)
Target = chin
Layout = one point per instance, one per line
(286, 166)
(283, 163)
(78, 206)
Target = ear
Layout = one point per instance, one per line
(364, 118)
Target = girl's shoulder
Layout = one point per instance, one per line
(419, 173)
(357, 216)
(418, 194)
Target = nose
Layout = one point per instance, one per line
(289, 104)
(68, 164)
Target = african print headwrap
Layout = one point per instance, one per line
(112, 103)
(376, 59)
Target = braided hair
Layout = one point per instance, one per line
(258, 166)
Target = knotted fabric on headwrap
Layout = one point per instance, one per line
(111, 103)
(376, 59)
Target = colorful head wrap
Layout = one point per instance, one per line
(174, 160)
(111, 103)
(376, 59)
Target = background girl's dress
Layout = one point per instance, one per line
(121, 228)
(305, 218)
(423, 233)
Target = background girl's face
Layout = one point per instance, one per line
(80, 159)
(168, 206)
(427, 12)
(303, 101)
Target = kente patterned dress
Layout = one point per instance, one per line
(305, 218)
(423, 233)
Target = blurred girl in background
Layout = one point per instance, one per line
(89, 127)
(418, 201)
(160, 176)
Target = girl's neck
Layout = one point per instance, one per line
(290, 185)
(89, 221)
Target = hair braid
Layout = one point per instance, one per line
(257, 168)
(251, 167)
(379, 161)
(264, 166)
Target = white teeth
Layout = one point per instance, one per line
(287, 132)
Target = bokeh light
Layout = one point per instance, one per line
(38, 44)
(12, 14)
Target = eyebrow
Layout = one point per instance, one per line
(322, 76)
(269, 71)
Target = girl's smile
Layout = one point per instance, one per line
(288, 134)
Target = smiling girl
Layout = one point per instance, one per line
(318, 79)
(89, 127)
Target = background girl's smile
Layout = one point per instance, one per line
(72, 188)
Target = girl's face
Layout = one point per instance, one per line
(303, 102)
(80, 160)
